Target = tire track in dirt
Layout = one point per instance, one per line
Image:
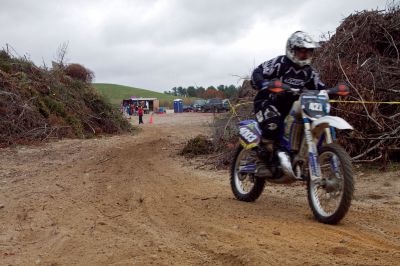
(132, 200)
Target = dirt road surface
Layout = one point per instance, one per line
(131, 200)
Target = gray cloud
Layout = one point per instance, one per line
(159, 44)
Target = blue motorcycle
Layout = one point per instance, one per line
(307, 152)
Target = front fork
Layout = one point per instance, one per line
(330, 137)
(313, 164)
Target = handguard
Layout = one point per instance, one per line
(341, 89)
(277, 86)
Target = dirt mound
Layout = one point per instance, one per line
(37, 103)
(364, 52)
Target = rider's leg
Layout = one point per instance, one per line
(269, 119)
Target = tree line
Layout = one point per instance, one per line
(222, 91)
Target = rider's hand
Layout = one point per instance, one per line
(268, 84)
(277, 86)
(265, 85)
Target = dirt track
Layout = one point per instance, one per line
(131, 200)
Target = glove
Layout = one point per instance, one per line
(265, 85)
(275, 86)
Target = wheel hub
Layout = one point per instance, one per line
(331, 185)
(242, 177)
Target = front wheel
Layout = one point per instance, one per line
(330, 196)
(245, 186)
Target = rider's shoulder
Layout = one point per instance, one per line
(273, 62)
(281, 59)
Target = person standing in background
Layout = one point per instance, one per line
(132, 109)
(140, 114)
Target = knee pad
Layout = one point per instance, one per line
(269, 118)
(270, 128)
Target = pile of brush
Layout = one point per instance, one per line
(365, 53)
(37, 103)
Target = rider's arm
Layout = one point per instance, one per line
(314, 83)
(265, 72)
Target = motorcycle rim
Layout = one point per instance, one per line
(245, 186)
(244, 182)
(330, 197)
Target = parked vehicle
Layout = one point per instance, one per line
(198, 105)
(188, 108)
(214, 105)
(226, 105)
(308, 152)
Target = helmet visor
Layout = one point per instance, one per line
(303, 53)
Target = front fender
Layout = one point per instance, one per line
(329, 121)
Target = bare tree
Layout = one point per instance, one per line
(62, 53)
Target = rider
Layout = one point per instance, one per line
(292, 69)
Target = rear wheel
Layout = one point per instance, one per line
(330, 197)
(245, 186)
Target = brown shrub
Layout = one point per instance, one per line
(55, 120)
(79, 72)
(196, 146)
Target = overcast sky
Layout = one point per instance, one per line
(160, 44)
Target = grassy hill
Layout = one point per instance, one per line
(115, 93)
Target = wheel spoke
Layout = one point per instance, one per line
(328, 192)
(244, 182)
(245, 186)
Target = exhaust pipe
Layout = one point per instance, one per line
(286, 165)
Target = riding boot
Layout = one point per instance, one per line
(263, 154)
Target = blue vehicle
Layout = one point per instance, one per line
(307, 152)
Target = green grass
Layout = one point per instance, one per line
(116, 93)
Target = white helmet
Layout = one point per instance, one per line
(299, 40)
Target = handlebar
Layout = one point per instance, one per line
(278, 86)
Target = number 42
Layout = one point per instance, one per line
(315, 106)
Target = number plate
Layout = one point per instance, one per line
(315, 105)
(249, 135)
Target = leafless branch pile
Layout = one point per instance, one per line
(364, 52)
(225, 134)
(37, 103)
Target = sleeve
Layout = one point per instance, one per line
(315, 83)
(266, 71)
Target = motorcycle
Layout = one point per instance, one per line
(307, 152)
